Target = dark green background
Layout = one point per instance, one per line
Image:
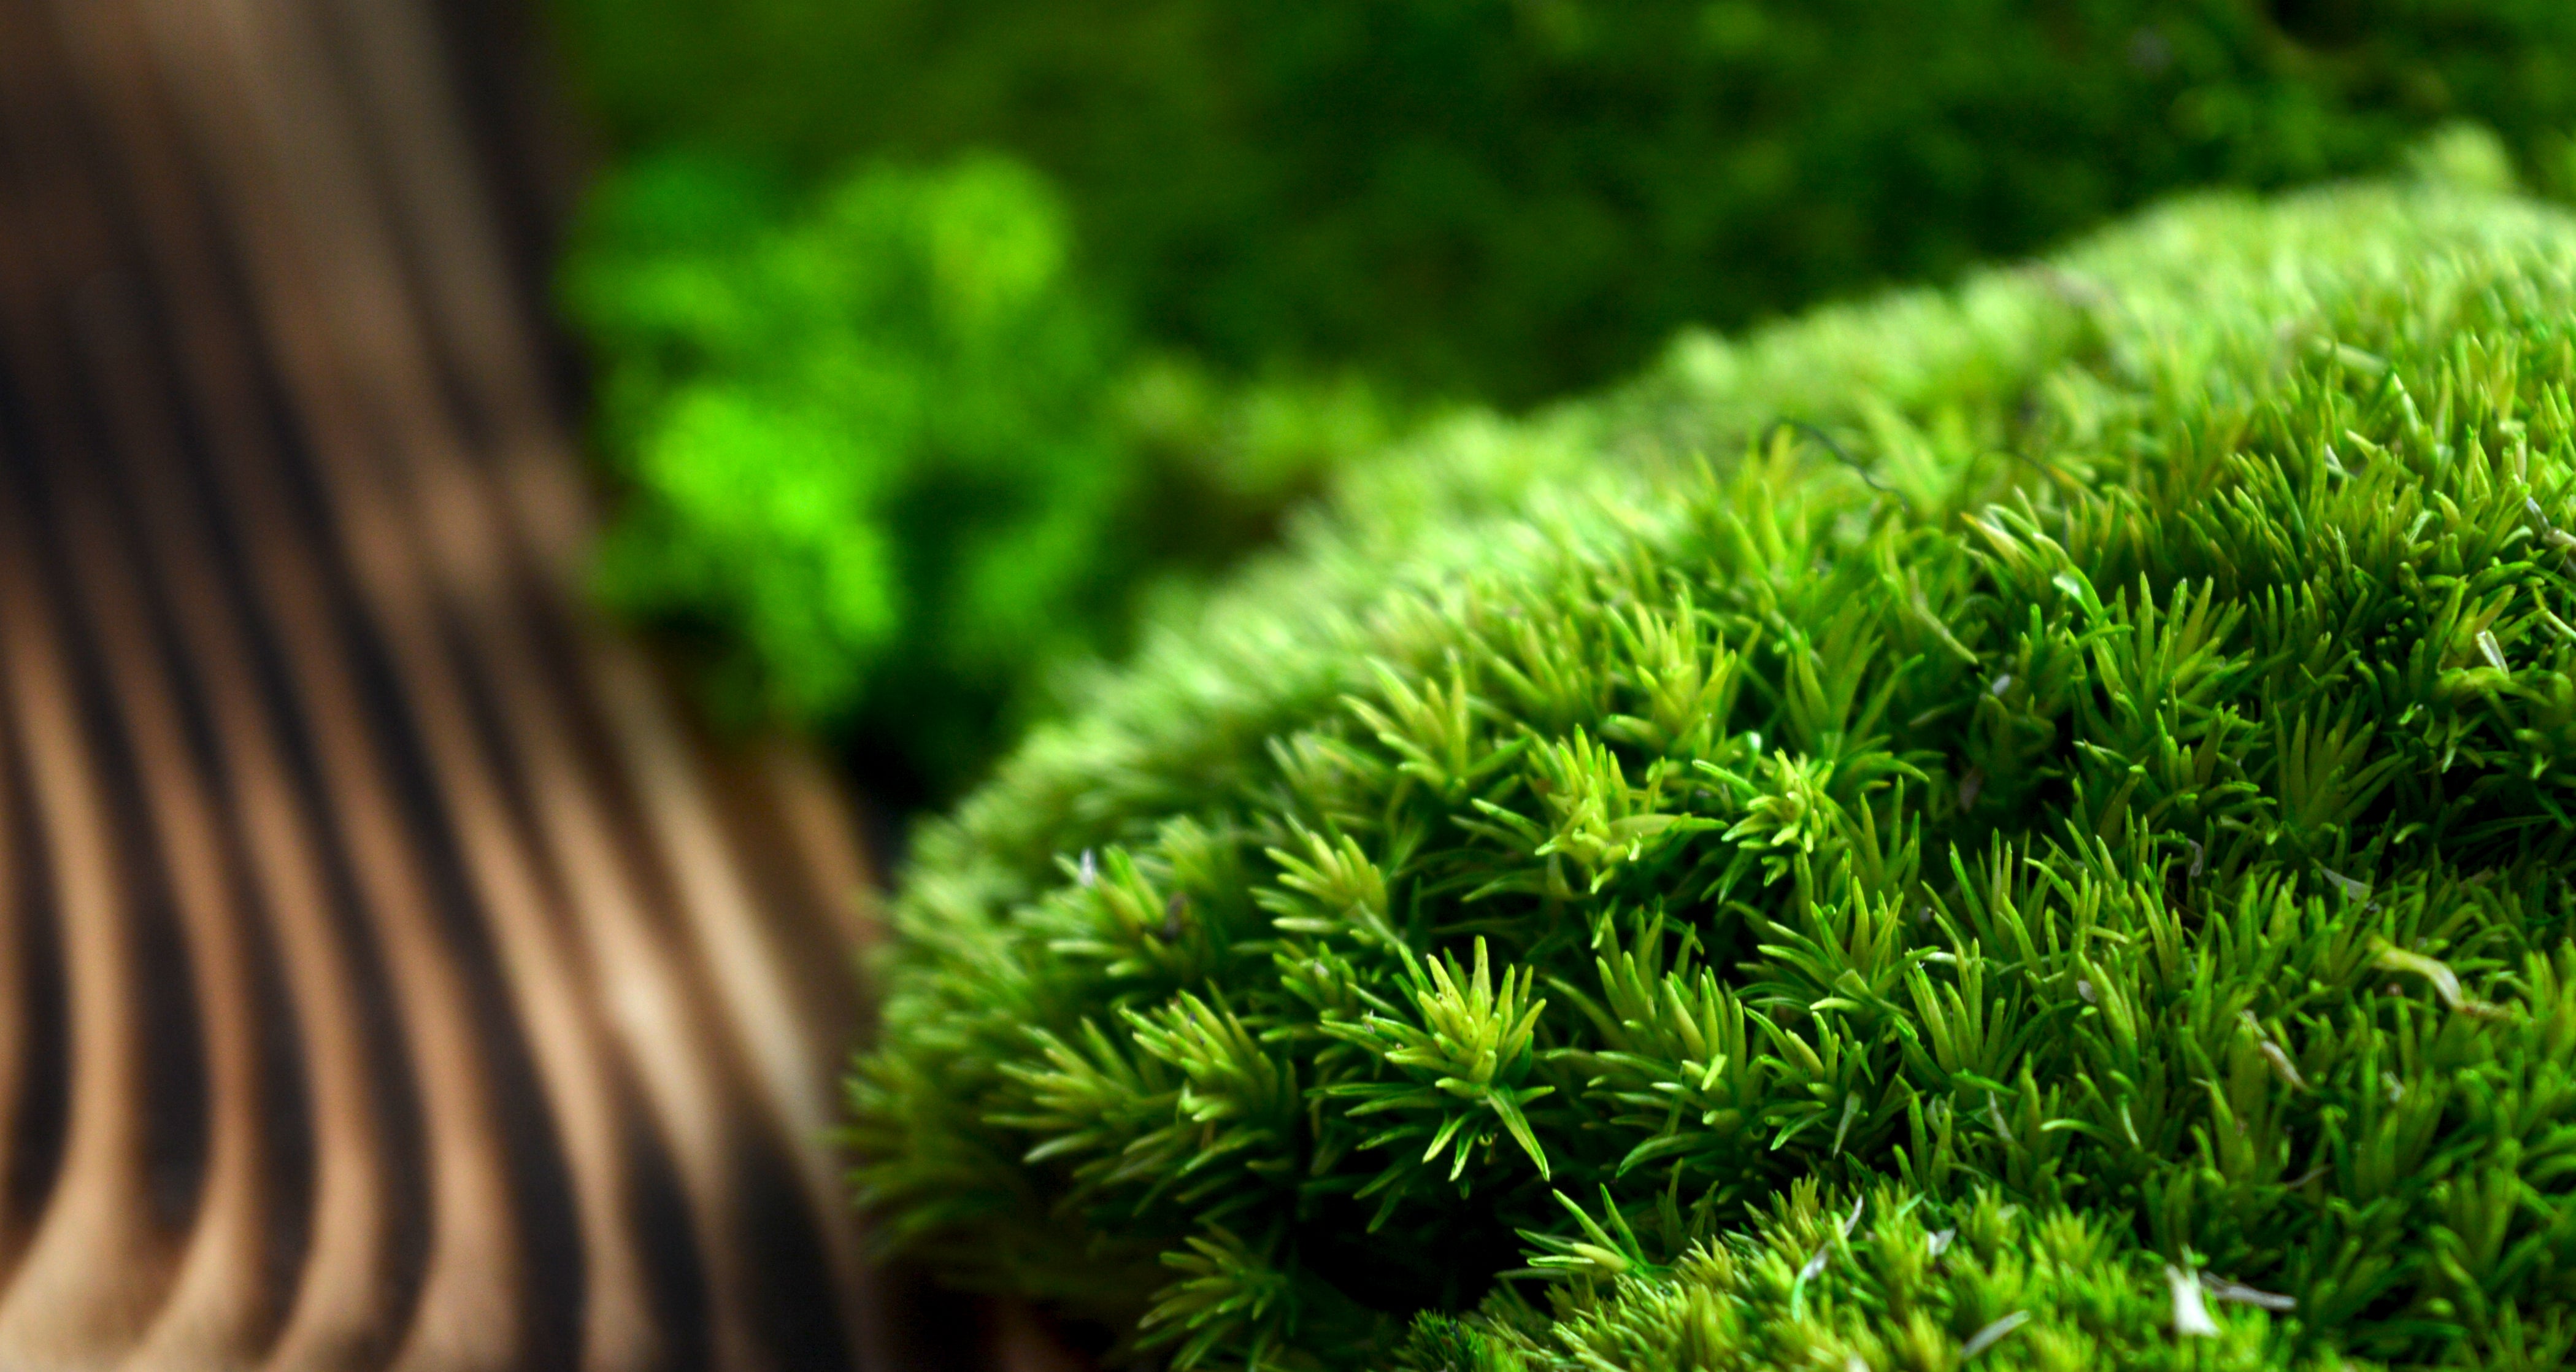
(1510, 198)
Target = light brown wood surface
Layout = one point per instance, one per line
(390, 974)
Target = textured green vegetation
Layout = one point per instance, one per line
(886, 461)
(1507, 198)
(1889, 1283)
(902, 443)
(2076, 779)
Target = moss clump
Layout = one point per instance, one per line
(864, 445)
(2085, 766)
(887, 463)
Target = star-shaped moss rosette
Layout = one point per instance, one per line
(2025, 825)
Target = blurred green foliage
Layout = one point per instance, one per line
(886, 459)
(847, 425)
(1510, 198)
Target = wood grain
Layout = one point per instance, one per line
(390, 973)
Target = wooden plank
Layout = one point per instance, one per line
(348, 1300)
(222, 1308)
(513, 1047)
(97, 1263)
(443, 220)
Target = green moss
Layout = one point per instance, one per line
(2085, 763)
(887, 463)
(1891, 1281)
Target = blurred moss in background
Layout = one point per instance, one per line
(933, 333)
(887, 459)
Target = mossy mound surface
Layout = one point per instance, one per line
(2025, 825)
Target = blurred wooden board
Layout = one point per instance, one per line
(388, 975)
